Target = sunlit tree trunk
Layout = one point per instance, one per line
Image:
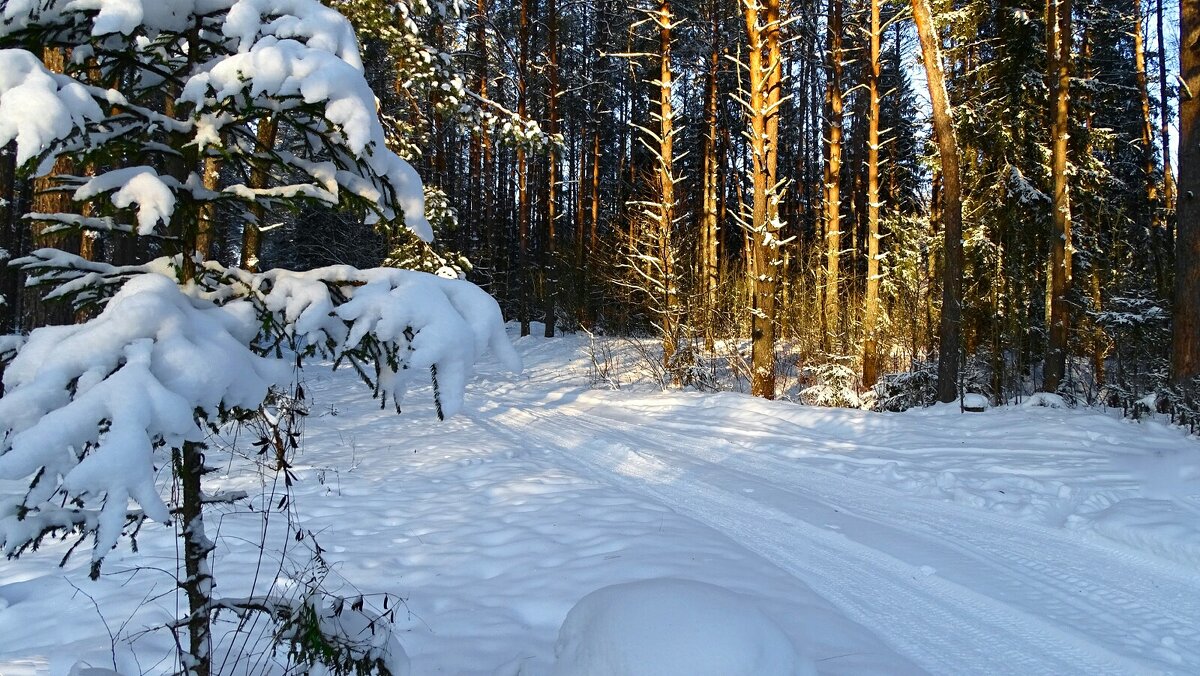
(764, 72)
(950, 208)
(1059, 50)
(667, 179)
(1164, 115)
(251, 231)
(206, 228)
(594, 224)
(870, 358)
(1185, 351)
(707, 264)
(48, 198)
(1156, 223)
(549, 281)
(833, 172)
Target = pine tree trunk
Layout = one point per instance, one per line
(593, 231)
(47, 200)
(550, 282)
(475, 161)
(1156, 226)
(708, 227)
(764, 79)
(524, 291)
(197, 583)
(208, 211)
(665, 219)
(1060, 245)
(268, 127)
(1185, 348)
(950, 209)
(870, 358)
(833, 200)
(10, 227)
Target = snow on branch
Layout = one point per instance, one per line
(39, 108)
(306, 20)
(401, 322)
(87, 405)
(89, 408)
(295, 60)
(141, 185)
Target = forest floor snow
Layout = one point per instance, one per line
(1022, 540)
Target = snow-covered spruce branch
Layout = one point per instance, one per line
(295, 59)
(89, 408)
(337, 632)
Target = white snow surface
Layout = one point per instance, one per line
(671, 627)
(1016, 541)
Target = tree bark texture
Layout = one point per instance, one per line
(950, 209)
(1185, 349)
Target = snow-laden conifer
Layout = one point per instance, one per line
(162, 109)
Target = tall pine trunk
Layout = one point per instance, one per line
(49, 198)
(549, 280)
(764, 79)
(666, 181)
(707, 265)
(268, 127)
(870, 358)
(1156, 224)
(10, 240)
(206, 228)
(479, 139)
(524, 288)
(1059, 49)
(1185, 349)
(833, 172)
(1164, 116)
(950, 209)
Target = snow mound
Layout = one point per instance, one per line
(671, 627)
(81, 669)
(1166, 528)
(369, 638)
(1045, 400)
(974, 402)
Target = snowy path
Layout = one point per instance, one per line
(882, 544)
(970, 591)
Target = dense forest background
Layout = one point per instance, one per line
(769, 183)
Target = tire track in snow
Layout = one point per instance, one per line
(943, 626)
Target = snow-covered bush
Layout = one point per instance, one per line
(834, 385)
(670, 627)
(316, 628)
(409, 252)
(1044, 400)
(897, 392)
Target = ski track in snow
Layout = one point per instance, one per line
(1119, 609)
(956, 629)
